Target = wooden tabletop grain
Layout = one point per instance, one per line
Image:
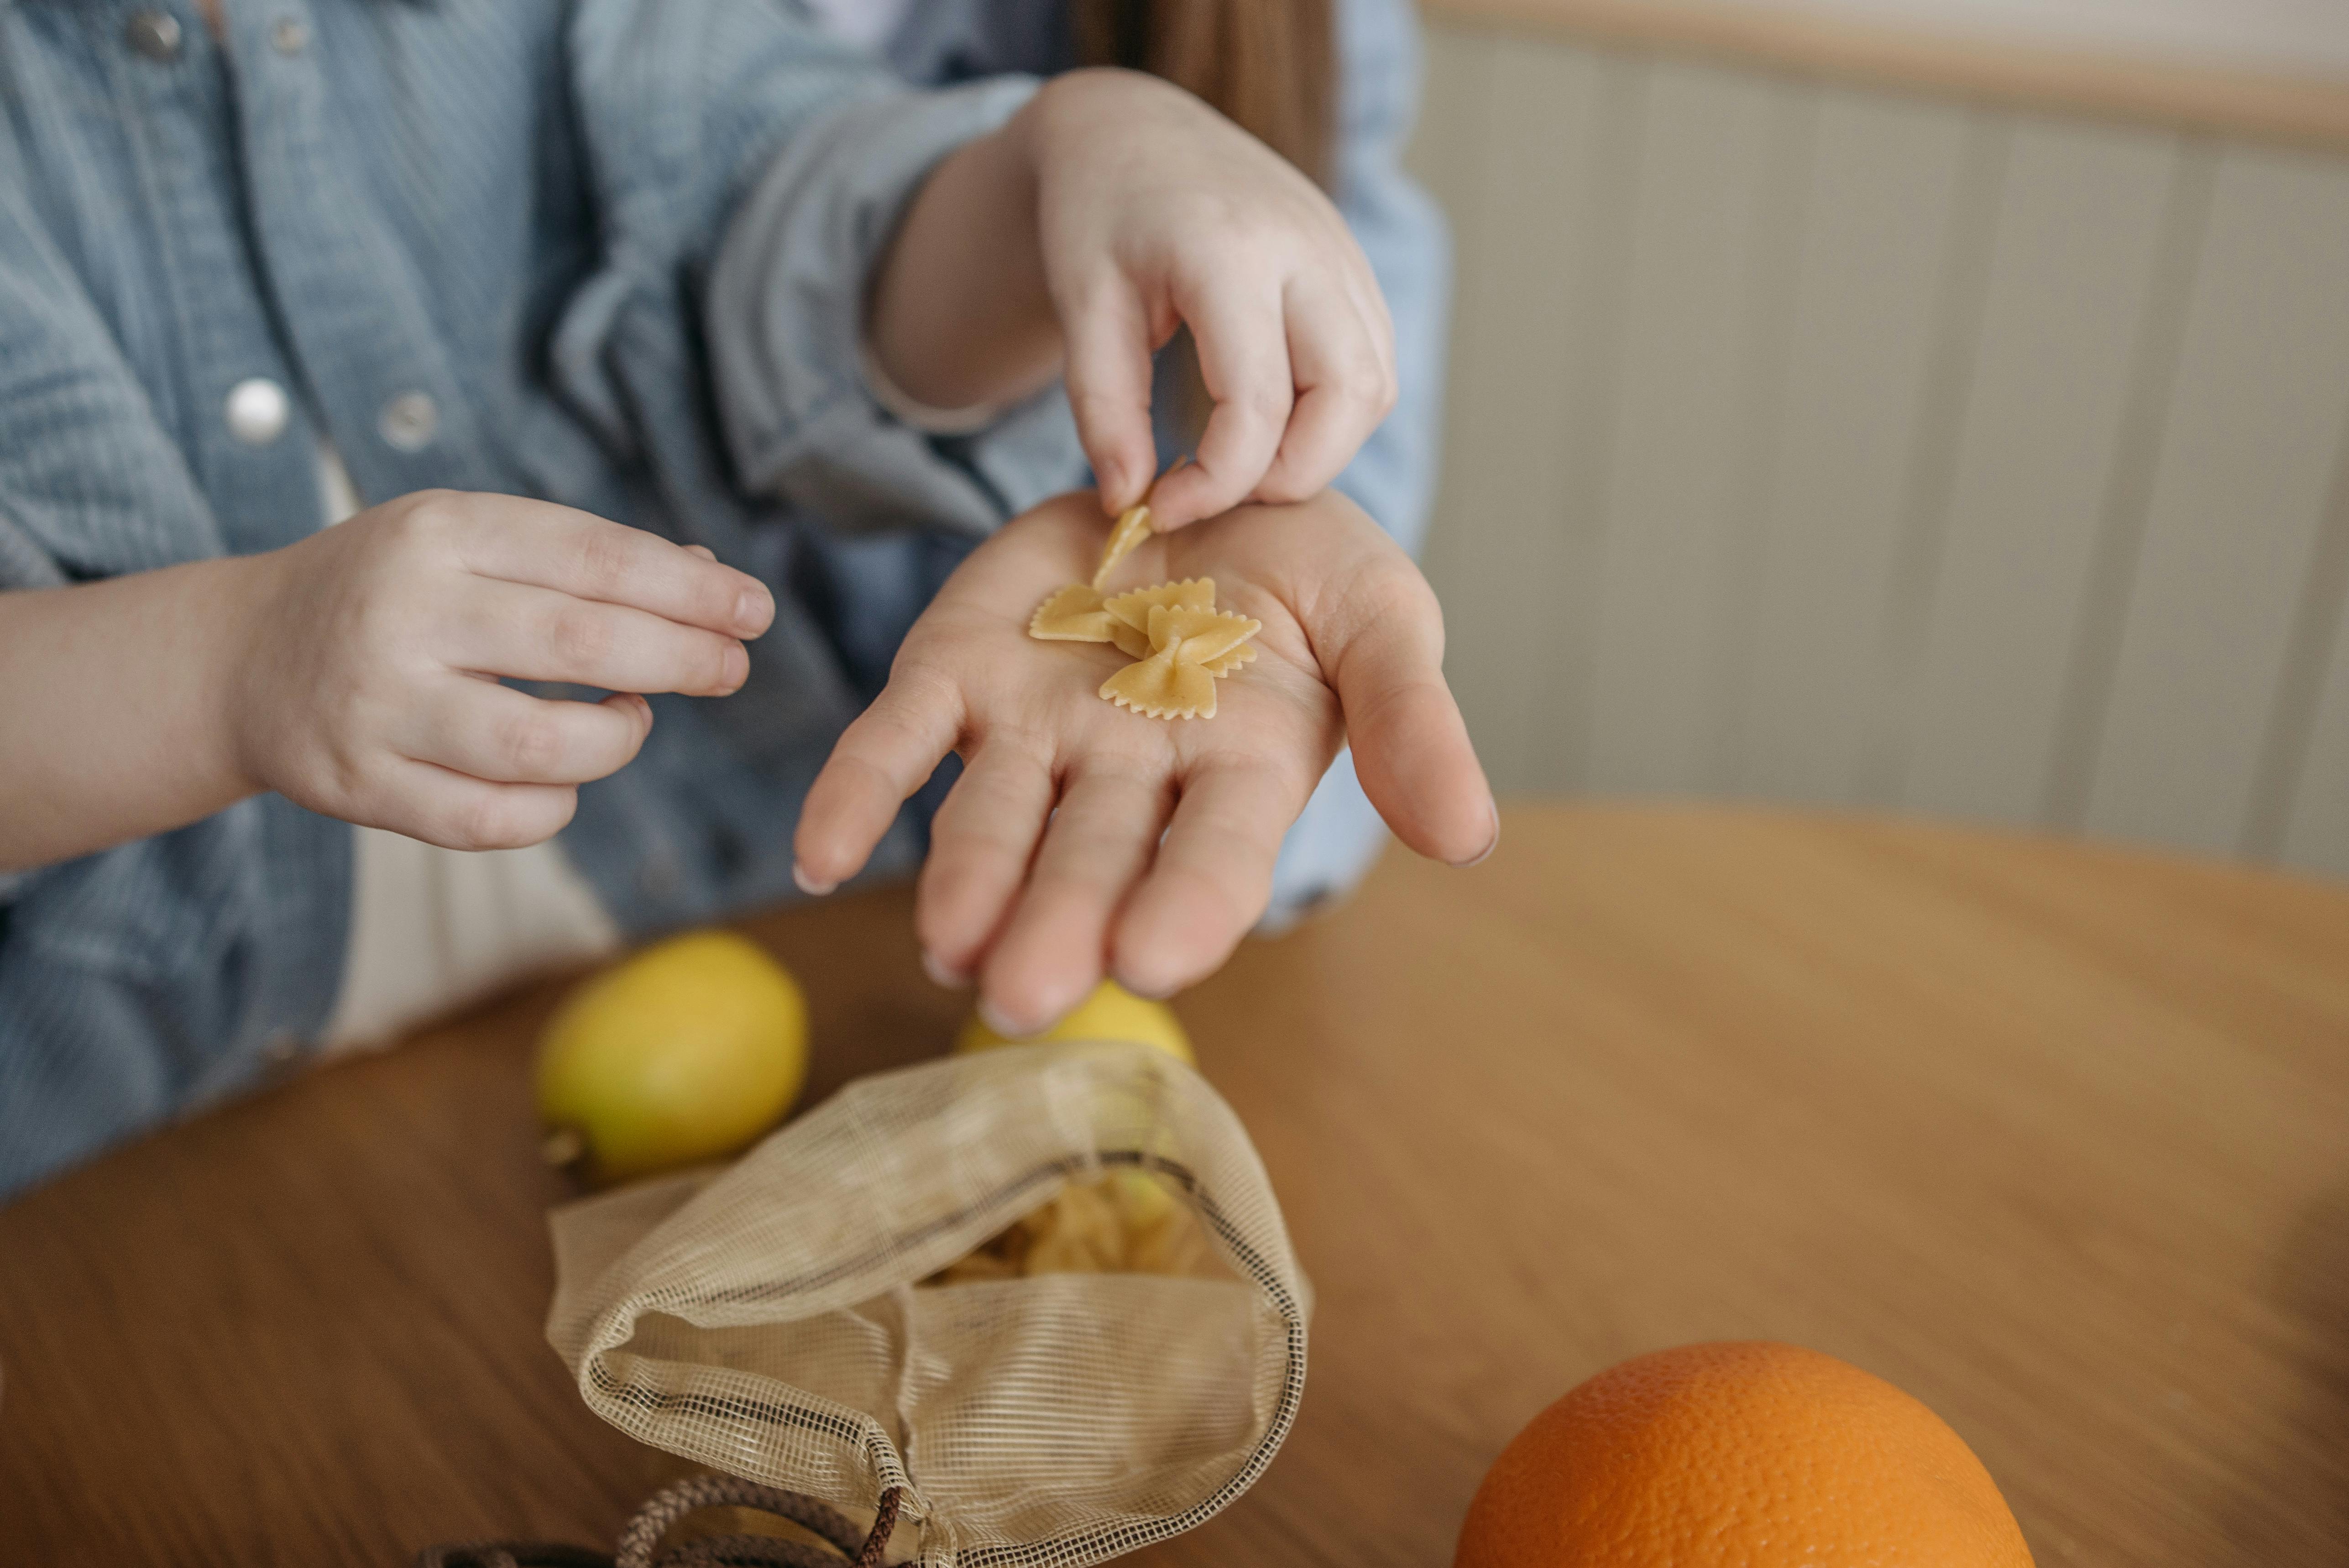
(2055, 1137)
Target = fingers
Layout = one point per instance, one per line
(1210, 883)
(1345, 386)
(980, 845)
(494, 733)
(458, 812)
(1411, 747)
(1244, 359)
(888, 754)
(1108, 378)
(1052, 952)
(587, 557)
(544, 634)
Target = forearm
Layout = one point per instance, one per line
(959, 314)
(115, 703)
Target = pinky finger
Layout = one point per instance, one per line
(1108, 379)
(459, 812)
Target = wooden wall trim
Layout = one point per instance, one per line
(2273, 105)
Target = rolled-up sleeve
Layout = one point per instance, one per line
(24, 563)
(1402, 232)
(678, 109)
(785, 321)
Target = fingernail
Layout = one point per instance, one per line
(756, 607)
(994, 1018)
(942, 974)
(808, 884)
(1490, 844)
(1147, 992)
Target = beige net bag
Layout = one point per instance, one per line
(772, 1321)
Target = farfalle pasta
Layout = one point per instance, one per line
(1182, 645)
(1177, 680)
(1073, 614)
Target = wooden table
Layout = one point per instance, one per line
(2055, 1137)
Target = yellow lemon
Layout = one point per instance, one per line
(687, 1051)
(1110, 1013)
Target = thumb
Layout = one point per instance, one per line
(1410, 746)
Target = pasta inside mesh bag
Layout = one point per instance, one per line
(811, 1317)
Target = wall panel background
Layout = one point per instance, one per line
(1839, 444)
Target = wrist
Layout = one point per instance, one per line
(959, 314)
(1082, 102)
(117, 717)
(239, 603)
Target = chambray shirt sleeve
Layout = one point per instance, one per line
(785, 320)
(89, 484)
(1402, 232)
(24, 563)
(679, 110)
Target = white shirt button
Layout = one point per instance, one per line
(289, 35)
(154, 34)
(256, 411)
(409, 422)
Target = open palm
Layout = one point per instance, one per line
(1084, 837)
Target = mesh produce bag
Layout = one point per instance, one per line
(772, 1321)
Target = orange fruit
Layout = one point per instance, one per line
(1747, 1454)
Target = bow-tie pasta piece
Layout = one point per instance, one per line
(1127, 1223)
(1130, 613)
(1194, 636)
(1133, 527)
(1163, 687)
(1133, 609)
(1133, 644)
(1221, 666)
(1075, 614)
(1174, 681)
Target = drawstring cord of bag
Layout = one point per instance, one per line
(641, 1538)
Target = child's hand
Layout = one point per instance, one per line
(1046, 861)
(1157, 211)
(1111, 210)
(368, 690)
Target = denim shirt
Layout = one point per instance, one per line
(476, 241)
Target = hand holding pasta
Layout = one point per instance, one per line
(1182, 644)
(1047, 864)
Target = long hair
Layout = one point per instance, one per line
(1266, 64)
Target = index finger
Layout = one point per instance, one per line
(1108, 378)
(575, 553)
